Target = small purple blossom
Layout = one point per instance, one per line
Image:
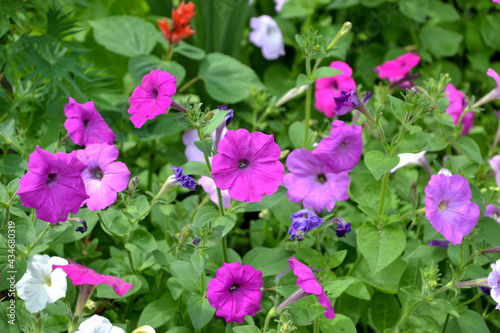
(449, 208)
(343, 229)
(267, 35)
(494, 282)
(348, 101)
(485, 290)
(184, 180)
(495, 165)
(438, 243)
(229, 116)
(236, 291)
(492, 211)
(304, 220)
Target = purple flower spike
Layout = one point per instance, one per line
(305, 220)
(235, 292)
(308, 282)
(343, 229)
(53, 185)
(448, 207)
(438, 243)
(308, 182)
(85, 125)
(184, 180)
(342, 150)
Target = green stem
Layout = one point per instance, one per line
(316, 325)
(187, 84)
(130, 260)
(383, 191)
(224, 249)
(308, 100)
(268, 319)
(407, 315)
(355, 266)
(37, 240)
(318, 243)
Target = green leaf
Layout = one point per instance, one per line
(216, 120)
(196, 168)
(143, 64)
(335, 288)
(415, 9)
(365, 190)
(205, 146)
(141, 242)
(246, 329)
(199, 261)
(174, 287)
(339, 323)
(326, 71)
(490, 25)
(125, 35)
(443, 12)
(337, 259)
(469, 321)
(358, 289)
(297, 132)
(384, 311)
(190, 51)
(205, 215)
(443, 305)
(226, 79)
(269, 261)
(24, 231)
(265, 203)
(469, 148)
(398, 108)
(381, 247)
(115, 221)
(227, 222)
(379, 163)
(158, 313)
(179, 329)
(386, 280)
(13, 165)
(8, 131)
(185, 274)
(200, 311)
(440, 41)
(302, 80)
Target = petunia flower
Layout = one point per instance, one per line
(309, 285)
(341, 151)
(98, 324)
(395, 70)
(248, 165)
(438, 243)
(409, 158)
(235, 292)
(267, 35)
(304, 220)
(492, 211)
(497, 1)
(348, 101)
(40, 284)
(280, 3)
(309, 182)
(53, 185)
(343, 229)
(493, 94)
(104, 177)
(495, 165)
(494, 283)
(456, 108)
(179, 28)
(327, 88)
(81, 275)
(85, 125)
(152, 97)
(448, 207)
(144, 329)
(184, 180)
(209, 186)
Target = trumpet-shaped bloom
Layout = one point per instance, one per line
(103, 177)
(457, 106)
(209, 186)
(348, 101)
(448, 207)
(235, 292)
(280, 3)
(310, 183)
(248, 165)
(85, 125)
(396, 69)
(53, 185)
(305, 220)
(98, 324)
(79, 275)
(494, 283)
(495, 165)
(152, 97)
(343, 228)
(40, 284)
(492, 211)
(327, 88)
(341, 151)
(267, 35)
(409, 158)
(308, 282)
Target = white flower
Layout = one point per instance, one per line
(445, 172)
(40, 284)
(144, 329)
(267, 35)
(405, 159)
(98, 324)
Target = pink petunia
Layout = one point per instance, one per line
(309, 183)
(80, 275)
(103, 177)
(329, 87)
(248, 165)
(85, 125)
(494, 75)
(396, 69)
(152, 97)
(236, 291)
(53, 185)
(341, 151)
(457, 106)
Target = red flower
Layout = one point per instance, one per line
(179, 28)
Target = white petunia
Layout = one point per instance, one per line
(267, 35)
(98, 324)
(40, 284)
(405, 159)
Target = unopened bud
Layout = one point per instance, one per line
(90, 304)
(196, 241)
(209, 116)
(264, 213)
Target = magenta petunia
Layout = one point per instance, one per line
(152, 97)
(248, 165)
(341, 151)
(395, 70)
(103, 177)
(309, 183)
(494, 75)
(449, 208)
(329, 87)
(53, 185)
(457, 106)
(85, 125)
(80, 275)
(235, 292)
(308, 282)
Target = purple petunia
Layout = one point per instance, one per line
(494, 283)
(267, 35)
(341, 151)
(248, 165)
(438, 243)
(152, 97)
(184, 180)
(304, 220)
(53, 185)
(309, 182)
(103, 177)
(235, 292)
(343, 229)
(492, 211)
(348, 101)
(448, 207)
(85, 125)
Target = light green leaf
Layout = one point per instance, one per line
(469, 148)
(415, 9)
(185, 274)
(379, 163)
(190, 51)
(440, 41)
(339, 323)
(142, 241)
(380, 247)
(205, 146)
(196, 168)
(200, 311)
(216, 120)
(269, 261)
(158, 313)
(246, 329)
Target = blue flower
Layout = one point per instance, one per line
(303, 221)
(184, 180)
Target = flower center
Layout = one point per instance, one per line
(155, 92)
(243, 164)
(97, 173)
(322, 179)
(305, 215)
(442, 206)
(86, 123)
(234, 287)
(51, 178)
(335, 85)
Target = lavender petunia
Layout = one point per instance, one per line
(438, 243)
(494, 283)
(348, 101)
(53, 185)
(304, 220)
(209, 186)
(493, 211)
(309, 182)
(495, 165)
(267, 35)
(448, 207)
